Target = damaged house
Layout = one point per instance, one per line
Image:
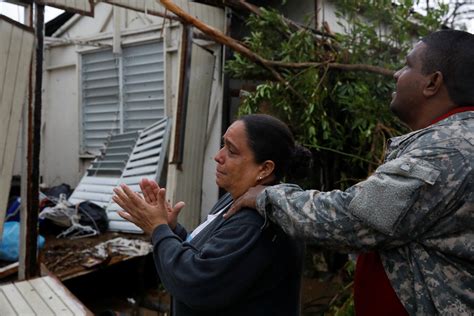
(129, 91)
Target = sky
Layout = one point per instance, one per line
(15, 12)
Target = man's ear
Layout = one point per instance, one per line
(434, 83)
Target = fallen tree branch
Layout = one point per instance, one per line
(267, 64)
(330, 65)
(228, 41)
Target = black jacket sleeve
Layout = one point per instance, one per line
(222, 270)
(180, 231)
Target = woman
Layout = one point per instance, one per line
(240, 266)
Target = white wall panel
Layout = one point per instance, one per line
(186, 184)
(80, 6)
(209, 14)
(15, 58)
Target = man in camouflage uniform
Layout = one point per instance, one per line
(417, 210)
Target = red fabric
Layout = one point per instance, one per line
(456, 110)
(373, 292)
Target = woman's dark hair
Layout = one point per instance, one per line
(452, 53)
(271, 139)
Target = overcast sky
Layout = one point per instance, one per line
(15, 12)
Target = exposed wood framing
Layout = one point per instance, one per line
(183, 91)
(31, 237)
(83, 7)
(54, 41)
(150, 11)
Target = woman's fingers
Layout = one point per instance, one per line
(178, 207)
(127, 199)
(148, 191)
(125, 215)
(121, 199)
(173, 214)
(133, 197)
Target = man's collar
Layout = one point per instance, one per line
(396, 141)
(453, 111)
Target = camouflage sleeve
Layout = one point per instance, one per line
(391, 207)
(318, 217)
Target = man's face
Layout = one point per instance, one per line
(408, 97)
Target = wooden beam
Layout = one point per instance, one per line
(183, 92)
(31, 238)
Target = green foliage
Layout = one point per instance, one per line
(343, 116)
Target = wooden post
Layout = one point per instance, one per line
(183, 91)
(31, 238)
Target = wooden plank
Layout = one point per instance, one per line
(142, 162)
(151, 152)
(33, 298)
(95, 188)
(8, 270)
(146, 146)
(69, 300)
(93, 196)
(17, 301)
(84, 7)
(48, 295)
(77, 201)
(124, 226)
(135, 180)
(150, 137)
(15, 58)
(113, 215)
(160, 125)
(6, 98)
(188, 181)
(5, 307)
(5, 38)
(19, 97)
(100, 180)
(151, 6)
(138, 171)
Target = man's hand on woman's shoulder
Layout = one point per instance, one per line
(248, 199)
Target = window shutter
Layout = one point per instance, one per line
(143, 85)
(142, 101)
(100, 99)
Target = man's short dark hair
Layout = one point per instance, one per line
(452, 53)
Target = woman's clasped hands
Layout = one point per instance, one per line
(149, 211)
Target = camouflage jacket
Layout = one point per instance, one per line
(416, 210)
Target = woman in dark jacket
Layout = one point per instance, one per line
(239, 266)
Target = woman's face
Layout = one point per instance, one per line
(236, 169)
